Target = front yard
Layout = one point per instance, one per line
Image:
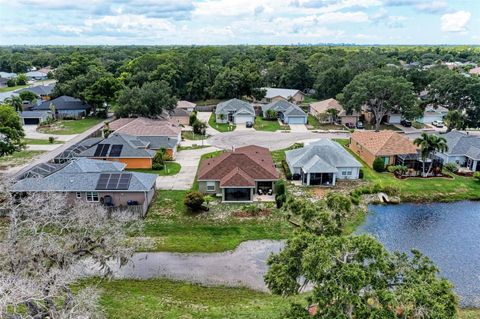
(12, 88)
(266, 125)
(67, 127)
(172, 168)
(18, 158)
(33, 141)
(221, 127)
(169, 227)
(188, 135)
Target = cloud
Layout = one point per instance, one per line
(427, 6)
(455, 22)
(390, 21)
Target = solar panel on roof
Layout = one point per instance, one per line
(105, 150)
(113, 181)
(98, 150)
(116, 150)
(102, 181)
(124, 181)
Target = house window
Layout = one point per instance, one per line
(347, 172)
(92, 197)
(79, 195)
(210, 186)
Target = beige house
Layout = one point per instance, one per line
(320, 111)
(186, 105)
(290, 95)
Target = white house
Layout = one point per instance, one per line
(288, 113)
(234, 111)
(463, 149)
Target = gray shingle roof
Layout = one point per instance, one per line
(287, 108)
(285, 93)
(82, 175)
(133, 147)
(40, 89)
(460, 143)
(34, 114)
(63, 103)
(235, 105)
(321, 156)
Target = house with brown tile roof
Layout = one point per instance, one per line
(387, 145)
(319, 110)
(238, 175)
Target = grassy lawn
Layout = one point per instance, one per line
(425, 189)
(313, 121)
(66, 127)
(265, 125)
(32, 141)
(12, 88)
(221, 127)
(279, 155)
(172, 228)
(192, 147)
(310, 99)
(18, 158)
(194, 137)
(172, 168)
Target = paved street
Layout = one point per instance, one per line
(189, 161)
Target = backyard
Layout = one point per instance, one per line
(221, 127)
(18, 158)
(67, 127)
(171, 168)
(169, 227)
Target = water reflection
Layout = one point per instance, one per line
(448, 233)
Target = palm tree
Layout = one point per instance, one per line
(429, 145)
(333, 114)
(15, 102)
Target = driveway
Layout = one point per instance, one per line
(298, 128)
(204, 117)
(31, 132)
(243, 267)
(189, 160)
(270, 140)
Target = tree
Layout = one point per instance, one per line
(102, 92)
(333, 114)
(356, 277)
(270, 115)
(381, 92)
(199, 127)
(192, 119)
(378, 164)
(454, 120)
(15, 102)
(194, 201)
(22, 79)
(150, 100)
(27, 96)
(45, 242)
(11, 131)
(429, 145)
(259, 94)
(12, 82)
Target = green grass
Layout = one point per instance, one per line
(279, 155)
(174, 229)
(18, 158)
(313, 121)
(172, 169)
(266, 125)
(310, 99)
(167, 299)
(424, 189)
(382, 127)
(66, 127)
(192, 147)
(193, 137)
(12, 88)
(221, 127)
(32, 141)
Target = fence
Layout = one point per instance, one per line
(205, 108)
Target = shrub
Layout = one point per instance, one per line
(51, 139)
(451, 167)
(157, 166)
(360, 174)
(398, 169)
(355, 200)
(192, 119)
(280, 200)
(476, 175)
(286, 169)
(391, 190)
(270, 115)
(279, 187)
(379, 165)
(159, 157)
(251, 209)
(193, 200)
(338, 202)
(199, 127)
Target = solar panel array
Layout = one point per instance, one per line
(102, 150)
(120, 181)
(116, 150)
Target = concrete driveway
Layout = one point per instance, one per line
(189, 160)
(298, 128)
(270, 140)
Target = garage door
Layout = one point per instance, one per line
(296, 120)
(243, 118)
(31, 121)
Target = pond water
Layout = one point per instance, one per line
(448, 233)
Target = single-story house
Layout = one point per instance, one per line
(287, 112)
(322, 162)
(186, 105)
(94, 181)
(159, 133)
(238, 175)
(74, 150)
(432, 114)
(36, 75)
(234, 111)
(126, 149)
(65, 107)
(3, 82)
(180, 116)
(385, 144)
(34, 117)
(276, 94)
(42, 91)
(8, 75)
(319, 110)
(463, 149)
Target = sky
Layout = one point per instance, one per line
(221, 22)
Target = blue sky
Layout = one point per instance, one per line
(187, 22)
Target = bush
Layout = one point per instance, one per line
(157, 166)
(279, 187)
(192, 119)
(451, 167)
(159, 157)
(11, 82)
(286, 169)
(199, 127)
(398, 169)
(51, 139)
(193, 200)
(251, 209)
(476, 175)
(379, 165)
(360, 174)
(280, 200)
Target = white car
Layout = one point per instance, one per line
(438, 124)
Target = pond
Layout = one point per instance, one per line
(448, 233)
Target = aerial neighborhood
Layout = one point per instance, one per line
(322, 164)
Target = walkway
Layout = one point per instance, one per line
(189, 160)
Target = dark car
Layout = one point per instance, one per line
(249, 124)
(406, 123)
(350, 125)
(360, 125)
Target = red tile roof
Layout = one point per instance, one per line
(240, 167)
(384, 143)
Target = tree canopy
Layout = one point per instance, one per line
(11, 131)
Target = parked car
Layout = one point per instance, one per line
(360, 125)
(350, 125)
(249, 124)
(438, 124)
(406, 123)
